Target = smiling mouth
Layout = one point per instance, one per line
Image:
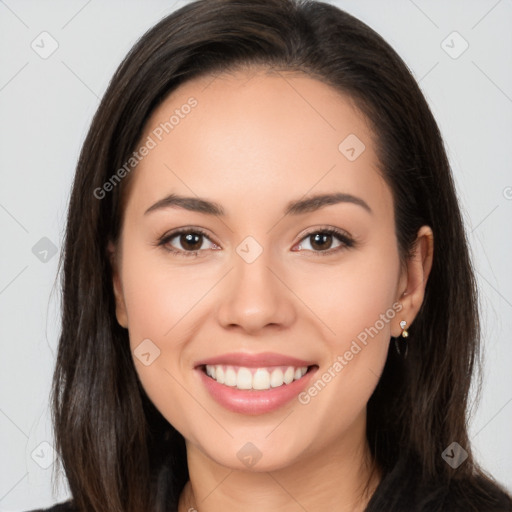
(257, 379)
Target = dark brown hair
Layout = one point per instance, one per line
(118, 452)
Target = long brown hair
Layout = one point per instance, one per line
(118, 452)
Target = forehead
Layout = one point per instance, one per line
(257, 136)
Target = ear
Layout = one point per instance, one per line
(413, 280)
(114, 257)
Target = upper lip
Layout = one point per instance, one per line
(255, 360)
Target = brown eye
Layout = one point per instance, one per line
(191, 241)
(321, 241)
(185, 242)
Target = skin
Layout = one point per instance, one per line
(255, 141)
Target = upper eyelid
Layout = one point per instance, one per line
(180, 231)
(322, 229)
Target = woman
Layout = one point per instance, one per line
(268, 301)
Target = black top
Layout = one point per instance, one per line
(503, 504)
(400, 491)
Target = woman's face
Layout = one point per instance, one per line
(262, 293)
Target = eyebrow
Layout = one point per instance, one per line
(297, 207)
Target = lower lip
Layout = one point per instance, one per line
(255, 401)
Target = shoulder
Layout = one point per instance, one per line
(443, 497)
(66, 506)
(476, 494)
(403, 489)
(479, 494)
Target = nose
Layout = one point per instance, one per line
(256, 296)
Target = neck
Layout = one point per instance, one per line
(340, 477)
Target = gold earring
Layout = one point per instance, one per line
(403, 324)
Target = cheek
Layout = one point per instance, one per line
(342, 304)
(159, 299)
(358, 308)
(356, 301)
(158, 295)
(352, 296)
(346, 299)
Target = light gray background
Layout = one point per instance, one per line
(46, 106)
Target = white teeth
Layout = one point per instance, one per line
(244, 379)
(254, 378)
(230, 377)
(219, 374)
(288, 375)
(277, 378)
(261, 379)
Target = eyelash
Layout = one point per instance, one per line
(346, 241)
